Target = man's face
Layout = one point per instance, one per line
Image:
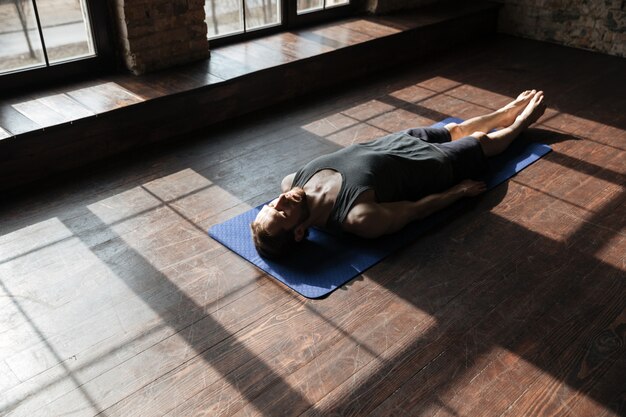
(285, 212)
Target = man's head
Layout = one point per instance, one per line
(280, 223)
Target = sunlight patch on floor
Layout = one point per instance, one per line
(130, 290)
(413, 93)
(32, 238)
(486, 99)
(560, 211)
(420, 104)
(612, 250)
(588, 128)
(497, 378)
(351, 125)
(368, 351)
(49, 298)
(525, 207)
(330, 124)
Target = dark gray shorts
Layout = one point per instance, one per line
(465, 154)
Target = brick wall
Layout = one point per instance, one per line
(598, 25)
(156, 34)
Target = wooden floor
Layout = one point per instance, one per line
(114, 301)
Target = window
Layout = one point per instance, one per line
(38, 37)
(227, 17)
(308, 6)
(231, 20)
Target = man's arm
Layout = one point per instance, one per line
(371, 219)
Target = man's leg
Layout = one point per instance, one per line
(496, 142)
(503, 117)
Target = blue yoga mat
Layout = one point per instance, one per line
(324, 262)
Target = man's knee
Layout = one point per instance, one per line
(481, 136)
(456, 131)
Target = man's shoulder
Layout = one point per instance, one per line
(287, 182)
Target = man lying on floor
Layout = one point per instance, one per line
(376, 188)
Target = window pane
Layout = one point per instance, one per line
(305, 6)
(330, 3)
(261, 13)
(66, 31)
(20, 46)
(223, 17)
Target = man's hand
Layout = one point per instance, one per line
(470, 188)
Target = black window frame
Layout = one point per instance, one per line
(105, 61)
(102, 30)
(290, 20)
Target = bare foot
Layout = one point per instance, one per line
(533, 110)
(514, 108)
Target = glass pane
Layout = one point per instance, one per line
(330, 3)
(305, 6)
(223, 17)
(20, 46)
(66, 29)
(261, 13)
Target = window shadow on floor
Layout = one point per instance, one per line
(549, 298)
(214, 343)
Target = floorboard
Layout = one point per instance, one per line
(114, 301)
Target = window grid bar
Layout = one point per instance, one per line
(245, 26)
(39, 28)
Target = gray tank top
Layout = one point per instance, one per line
(397, 167)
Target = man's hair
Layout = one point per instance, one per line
(272, 246)
(282, 242)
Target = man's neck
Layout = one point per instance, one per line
(322, 190)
